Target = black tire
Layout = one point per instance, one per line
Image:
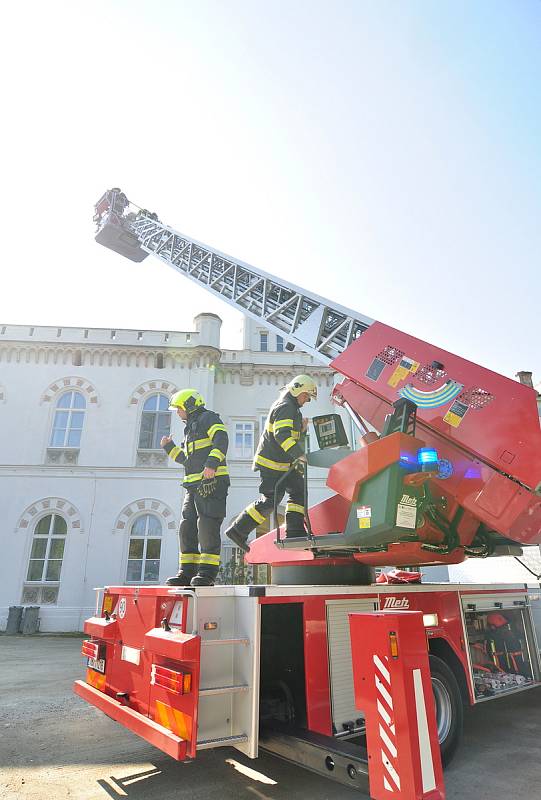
(449, 708)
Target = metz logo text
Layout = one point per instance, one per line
(396, 602)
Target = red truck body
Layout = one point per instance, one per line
(189, 670)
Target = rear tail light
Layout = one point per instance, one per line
(92, 649)
(173, 681)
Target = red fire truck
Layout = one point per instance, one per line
(453, 472)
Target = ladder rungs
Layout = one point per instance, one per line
(225, 641)
(206, 744)
(243, 687)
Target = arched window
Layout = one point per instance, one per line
(45, 563)
(68, 420)
(144, 550)
(155, 422)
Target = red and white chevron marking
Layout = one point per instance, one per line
(387, 733)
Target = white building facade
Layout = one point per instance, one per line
(88, 496)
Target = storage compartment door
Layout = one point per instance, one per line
(341, 671)
(502, 645)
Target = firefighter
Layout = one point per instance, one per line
(278, 448)
(206, 481)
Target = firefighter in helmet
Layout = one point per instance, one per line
(206, 481)
(278, 448)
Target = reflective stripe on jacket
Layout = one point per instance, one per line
(205, 445)
(279, 442)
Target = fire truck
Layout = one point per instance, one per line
(447, 466)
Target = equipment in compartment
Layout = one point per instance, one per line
(498, 651)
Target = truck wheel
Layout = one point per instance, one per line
(449, 709)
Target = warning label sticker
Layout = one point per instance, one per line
(375, 369)
(456, 414)
(398, 375)
(364, 522)
(406, 516)
(364, 511)
(406, 367)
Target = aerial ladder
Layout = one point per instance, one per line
(454, 470)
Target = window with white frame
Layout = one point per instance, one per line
(45, 562)
(144, 550)
(68, 420)
(262, 423)
(280, 344)
(155, 422)
(263, 341)
(243, 439)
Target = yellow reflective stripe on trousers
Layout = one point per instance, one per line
(288, 443)
(278, 466)
(210, 559)
(282, 423)
(197, 476)
(214, 429)
(175, 452)
(215, 453)
(189, 558)
(294, 507)
(255, 515)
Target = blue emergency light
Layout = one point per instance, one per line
(427, 455)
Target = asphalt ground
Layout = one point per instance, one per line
(55, 746)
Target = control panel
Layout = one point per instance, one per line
(330, 431)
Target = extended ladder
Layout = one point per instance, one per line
(304, 319)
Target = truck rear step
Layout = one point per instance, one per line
(243, 687)
(222, 741)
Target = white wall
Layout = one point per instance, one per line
(105, 489)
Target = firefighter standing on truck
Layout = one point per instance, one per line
(278, 448)
(206, 481)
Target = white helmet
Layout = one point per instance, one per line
(303, 383)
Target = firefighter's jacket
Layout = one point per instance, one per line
(205, 445)
(279, 442)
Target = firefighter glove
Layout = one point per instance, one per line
(207, 488)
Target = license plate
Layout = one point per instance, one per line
(96, 663)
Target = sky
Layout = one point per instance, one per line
(384, 155)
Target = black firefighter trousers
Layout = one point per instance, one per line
(256, 513)
(199, 532)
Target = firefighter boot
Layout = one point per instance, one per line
(182, 578)
(202, 580)
(238, 538)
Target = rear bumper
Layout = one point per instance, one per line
(146, 728)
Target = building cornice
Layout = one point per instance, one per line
(247, 374)
(108, 355)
